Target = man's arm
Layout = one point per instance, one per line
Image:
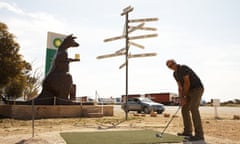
(180, 89)
(186, 85)
(73, 60)
(182, 99)
(183, 90)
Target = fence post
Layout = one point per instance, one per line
(33, 117)
(54, 100)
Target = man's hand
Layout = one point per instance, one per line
(183, 101)
(181, 94)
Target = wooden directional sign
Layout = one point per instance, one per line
(114, 38)
(144, 28)
(136, 27)
(143, 20)
(120, 51)
(142, 55)
(110, 55)
(127, 10)
(135, 44)
(143, 36)
(122, 65)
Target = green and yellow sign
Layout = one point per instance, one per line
(54, 40)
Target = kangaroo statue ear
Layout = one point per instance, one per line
(71, 36)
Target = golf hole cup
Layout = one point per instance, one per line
(77, 56)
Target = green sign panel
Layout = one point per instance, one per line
(50, 53)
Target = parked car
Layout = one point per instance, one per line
(142, 104)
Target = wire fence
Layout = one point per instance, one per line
(46, 100)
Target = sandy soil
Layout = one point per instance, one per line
(224, 130)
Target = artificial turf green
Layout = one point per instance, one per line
(119, 137)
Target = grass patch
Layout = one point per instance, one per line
(119, 137)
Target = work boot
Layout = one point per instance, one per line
(195, 138)
(184, 134)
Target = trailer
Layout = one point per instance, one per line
(164, 98)
(123, 99)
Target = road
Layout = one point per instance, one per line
(206, 111)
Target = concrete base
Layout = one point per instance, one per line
(54, 111)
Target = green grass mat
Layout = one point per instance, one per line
(119, 137)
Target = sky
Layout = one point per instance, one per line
(203, 34)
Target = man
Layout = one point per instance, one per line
(190, 90)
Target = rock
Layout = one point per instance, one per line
(153, 114)
(166, 115)
(236, 117)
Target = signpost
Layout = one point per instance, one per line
(125, 51)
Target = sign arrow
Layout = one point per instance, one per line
(127, 10)
(121, 50)
(136, 27)
(110, 55)
(122, 65)
(142, 55)
(143, 36)
(135, 44)
(145, 28)
(114, 38)
(143, 20)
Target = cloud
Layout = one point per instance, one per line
(30, 29)
(11, 7)
(37, 21)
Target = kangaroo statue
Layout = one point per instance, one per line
(58, 82)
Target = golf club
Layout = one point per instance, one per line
(161, 134)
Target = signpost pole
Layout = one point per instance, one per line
(126, 56)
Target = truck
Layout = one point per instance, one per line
(164, 98)
(123, 99)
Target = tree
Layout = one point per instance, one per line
(237, 101)
(14, 70)
(33, 84)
